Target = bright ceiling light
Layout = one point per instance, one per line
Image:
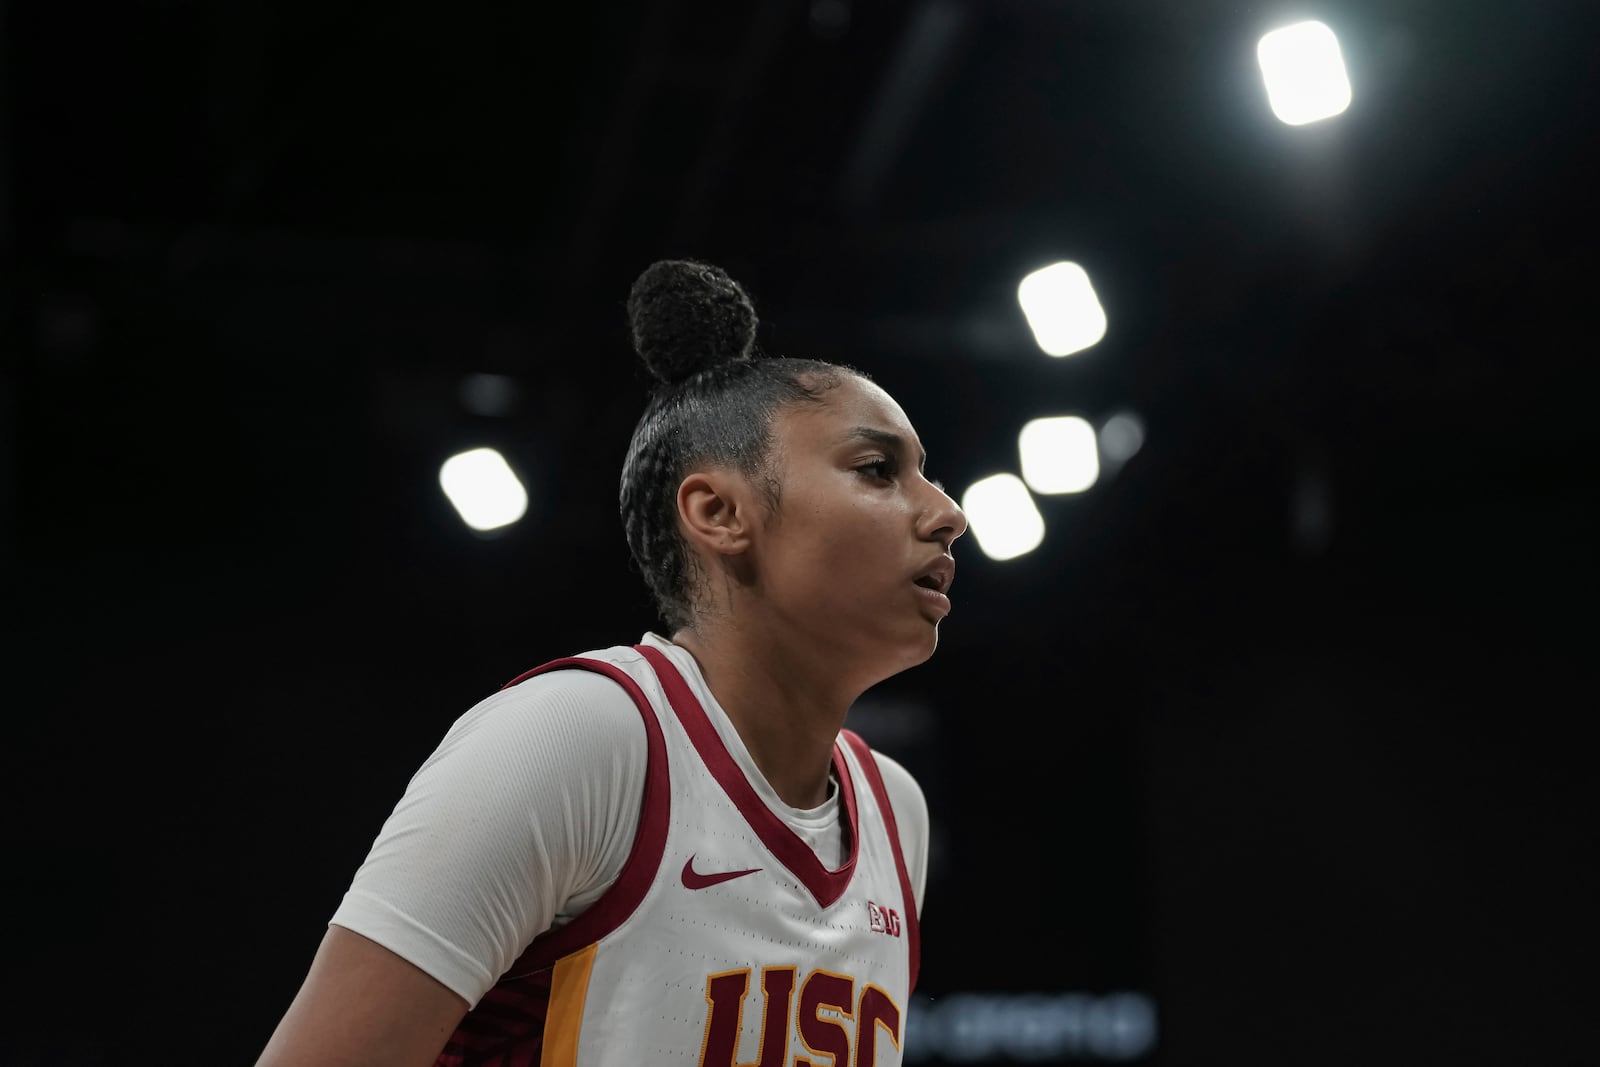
(483, 488)
(1304, 73)
(1062, 309)
(1002, 516)
(1059, 455)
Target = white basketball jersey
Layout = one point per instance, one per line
(725, 941)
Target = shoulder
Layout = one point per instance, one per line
(524, 809)
(562, 719)
(905, 794)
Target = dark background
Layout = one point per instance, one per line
(1281, 725)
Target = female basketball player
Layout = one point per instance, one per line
(672, 852)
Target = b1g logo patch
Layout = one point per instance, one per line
(883, 920)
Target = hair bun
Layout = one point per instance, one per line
(686, 316)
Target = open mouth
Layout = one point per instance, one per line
(928, 581)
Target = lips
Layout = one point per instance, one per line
(937, 575)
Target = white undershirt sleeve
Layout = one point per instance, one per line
(520, 819)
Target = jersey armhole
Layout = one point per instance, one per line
(649, 838)
(869, 767)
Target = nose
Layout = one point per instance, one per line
(942, 519)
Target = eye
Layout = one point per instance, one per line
(883, 470)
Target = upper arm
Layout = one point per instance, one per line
(362, 1004)
(524, 812)
(520, 818)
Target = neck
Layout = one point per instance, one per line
(787, 707)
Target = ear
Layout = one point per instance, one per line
(718, 510)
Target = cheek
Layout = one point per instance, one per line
(847, 540)
(859, 538)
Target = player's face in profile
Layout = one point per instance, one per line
(859, 523)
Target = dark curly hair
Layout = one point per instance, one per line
(713, 402)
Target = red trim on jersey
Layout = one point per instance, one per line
(649, 840)
(787, 846)
(869, 767)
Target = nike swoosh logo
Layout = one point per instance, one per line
(693, 879)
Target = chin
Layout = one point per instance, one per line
(890, 652)
(914, 653)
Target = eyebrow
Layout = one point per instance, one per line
(892, 441)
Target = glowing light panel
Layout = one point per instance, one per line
(483, 488)
(1061, 308)
(1304, 72)
(1002, 516)
(1059, 455)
